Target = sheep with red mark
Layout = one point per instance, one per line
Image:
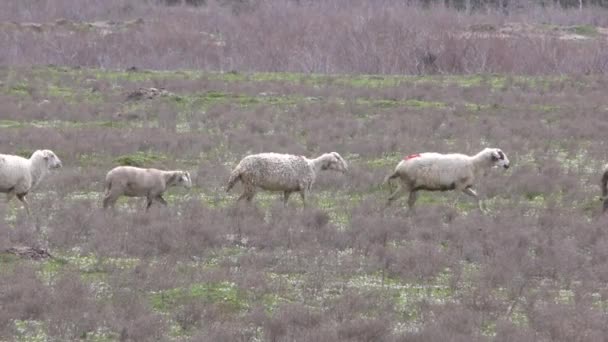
(442, 172)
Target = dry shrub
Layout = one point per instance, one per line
(24, 296)
(292, 320)
(320, 37)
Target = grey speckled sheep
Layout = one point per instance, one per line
(18, 176)
(282, 172)
(137, 182)
(442, 172)
(604, 186)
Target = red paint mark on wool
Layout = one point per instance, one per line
(412, 156)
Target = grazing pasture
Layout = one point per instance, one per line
(534, 267)
(199, 85)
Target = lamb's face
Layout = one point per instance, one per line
(184, 180)
(499, 158)
(52, 161)
(337, 163)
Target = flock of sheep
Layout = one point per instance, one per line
(272, 172)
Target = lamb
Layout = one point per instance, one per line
(18, 176)
(604, 186)
(441, 172)
(282, 172)
(138, 182)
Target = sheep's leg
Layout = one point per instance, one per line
(161, 200)
(250, 196)
(303, 196)
(411, 201)
(247, 194)
(469, 191)
(109, 201)
(21, 197)
(150, 199)
(286, 195)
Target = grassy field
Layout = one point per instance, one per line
(204, 268)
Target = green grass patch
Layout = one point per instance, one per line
(584, 30)
(227, 294)
(544, 108)
(56, 91)
(20, 89)
(8, 258)
(11, 124)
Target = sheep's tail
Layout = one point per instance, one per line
(107, 185)
(235, 176)
(388, 178)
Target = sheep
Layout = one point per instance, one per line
(18, 176)
(282, 172)
(441, 172)
(604, 186)
(139, 182)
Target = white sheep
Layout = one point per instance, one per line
(441, 172)
(18, 176)
(138, 182)
(282, 172)
(604, 186)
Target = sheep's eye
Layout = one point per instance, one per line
(494, 158)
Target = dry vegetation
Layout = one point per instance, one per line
(534, 268)
(338, 36)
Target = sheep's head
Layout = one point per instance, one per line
(182, 178)
(499, 158)
(334, 161)
(51, 160)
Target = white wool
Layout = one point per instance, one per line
(282, 172)
(139, 182)
(18, 175)
(441, 172)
